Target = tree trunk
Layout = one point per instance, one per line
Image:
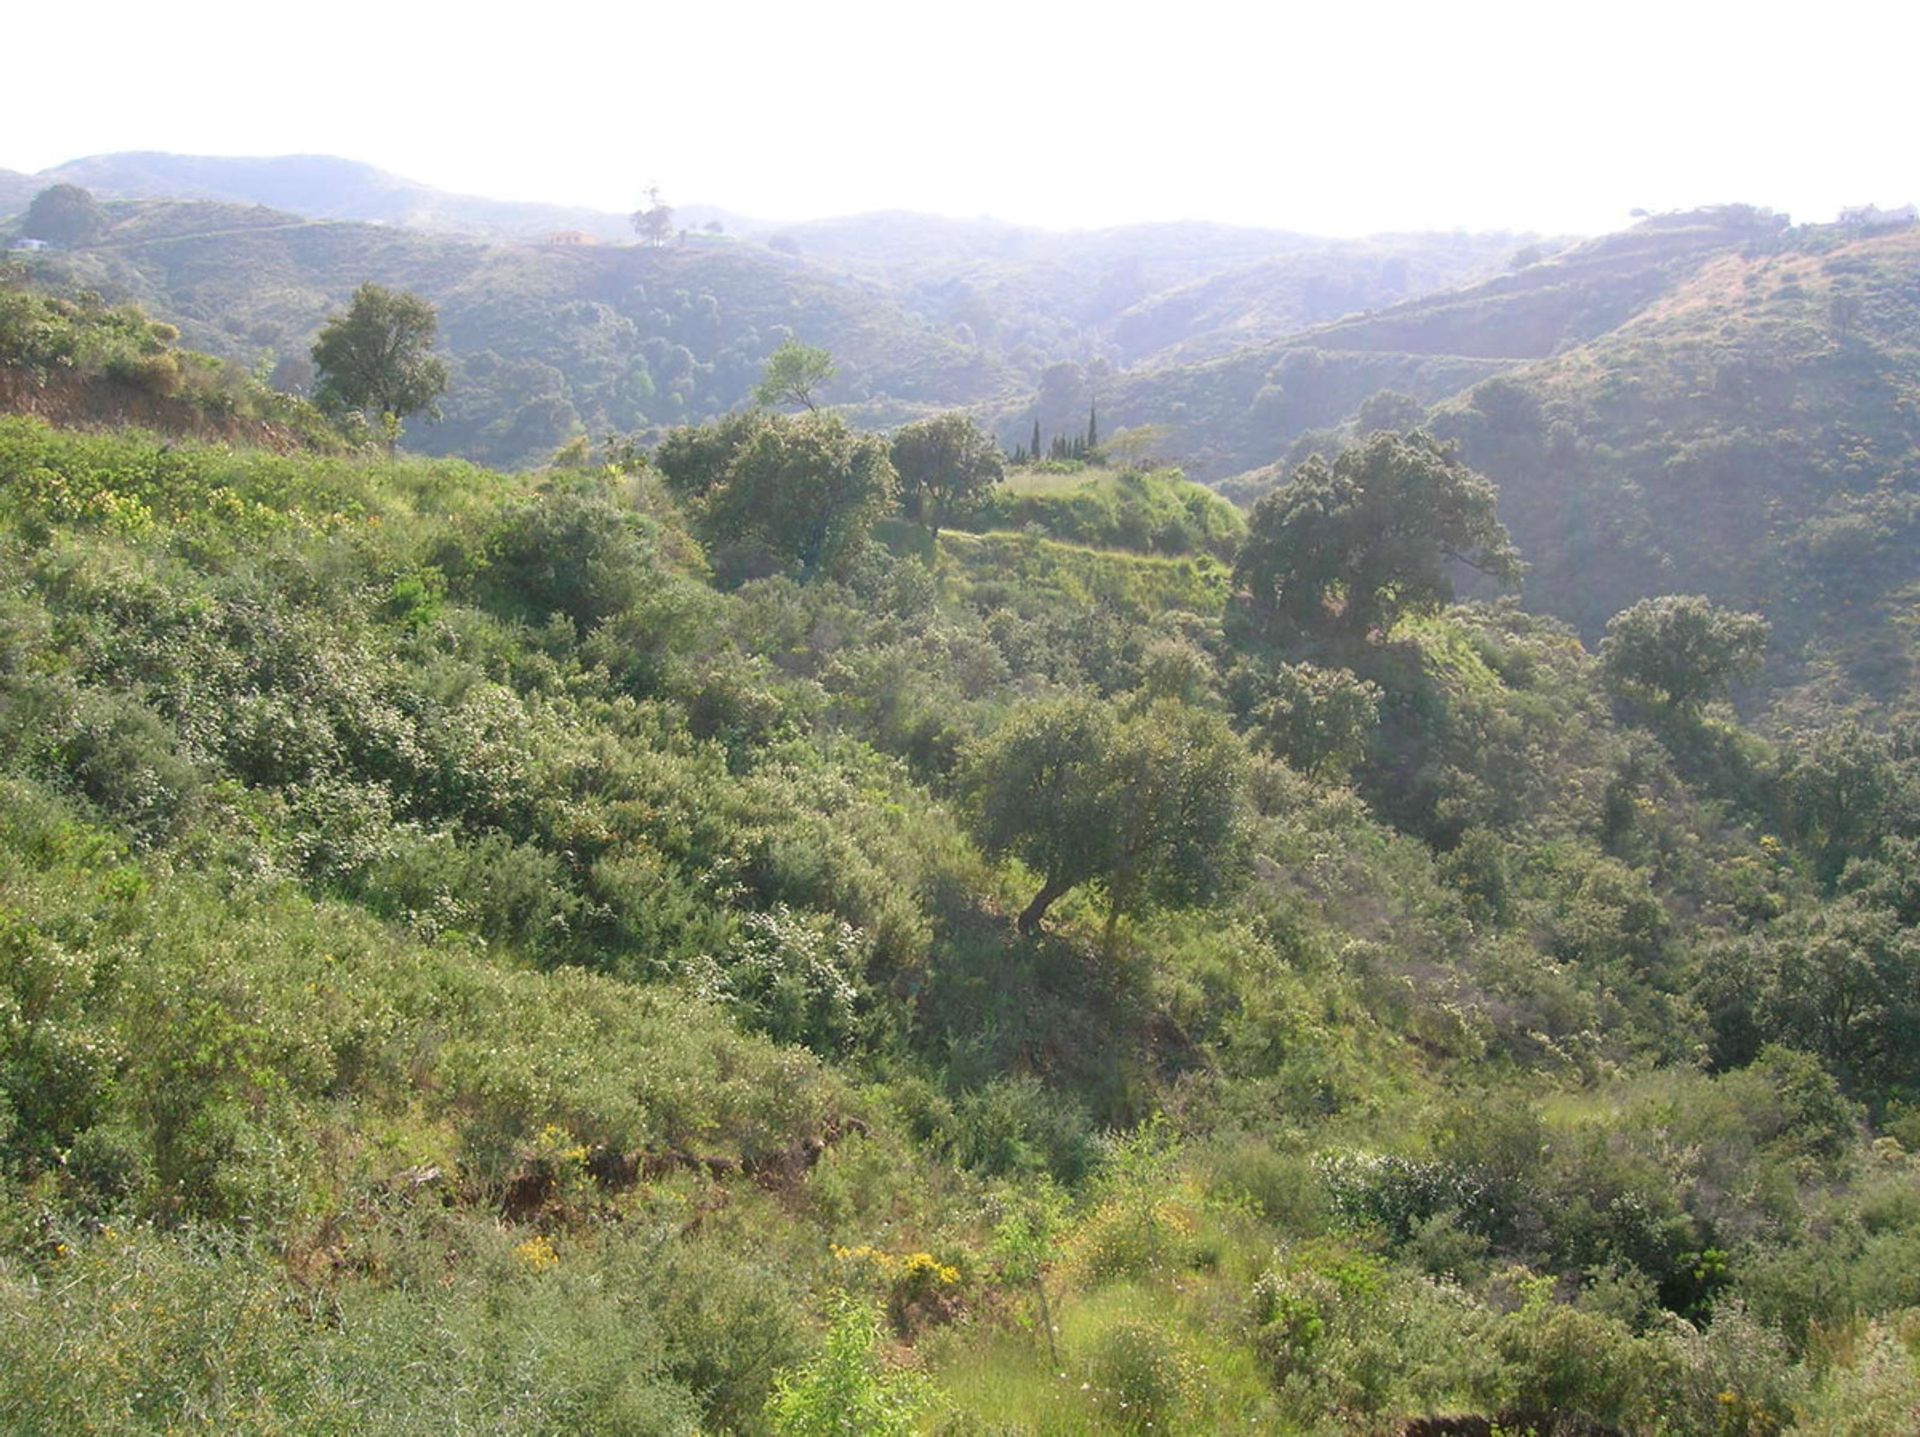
(1029, 919)
(1046, 1319)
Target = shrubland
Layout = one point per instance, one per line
(564, 952)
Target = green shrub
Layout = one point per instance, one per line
(843, 1391)
(1141, 1377)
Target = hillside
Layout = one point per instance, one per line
(1751, 435)
(1139, 291)
(1245, 408)
(1267, 299)
(472, 959)
(1024, 297)
(552, 340)
(83, 363)
(17, 191)
(546, 341)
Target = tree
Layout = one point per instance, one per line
(694, 459)
(1387, 411)
(1145, 805)
(1841, 981)
(1344, 549)
(64, 215)
(377, 358)
(1681, 649)
(794, 374)
(1034, 448)
(1319, 720)
(1093, 426)
(945, 464)
(1040, 794)
(800, 492)
(1847, 790)
(653, 222)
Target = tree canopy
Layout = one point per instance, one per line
(1344, 549)
(1144, 804)
(63, 214)
(378, 357)
(946, 466)
(653, 221)
(1681, 649)
(789, 491)
(795, 374)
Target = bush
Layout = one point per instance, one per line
(1142, 1377)
(843, 1391)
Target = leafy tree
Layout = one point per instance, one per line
(694, 459)
(946, 465)
(1389, 412)
(1144, 805)
(1093, 427)
(1345, 549)
(1041, 795)
(1320, 720)
(63, 214)
(377, 357)
(1681, 649)
(802, 491)
(576, 553)
(795, 374)
(1841, 981)
(1847, 790)
(653, 222)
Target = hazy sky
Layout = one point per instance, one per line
(1335, 118)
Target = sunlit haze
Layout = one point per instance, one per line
(1338, 120)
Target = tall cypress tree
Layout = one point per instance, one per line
(1093, 426)
(1034, 448)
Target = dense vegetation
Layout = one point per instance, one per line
(763, 925)
(82, 360)
(540, 954)
(548, 341)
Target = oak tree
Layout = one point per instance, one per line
(1344, 549)
(946, 465)
(378, 359)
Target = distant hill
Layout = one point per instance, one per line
(1136, 292)
(1752, 434)
(547, 340)
(1031, 297)
(327, 187)
(1248, 406)
(17, 191)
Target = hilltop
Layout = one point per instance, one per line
(1006, 301)
(548, 341)
(1246, 407)
(325, 187)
